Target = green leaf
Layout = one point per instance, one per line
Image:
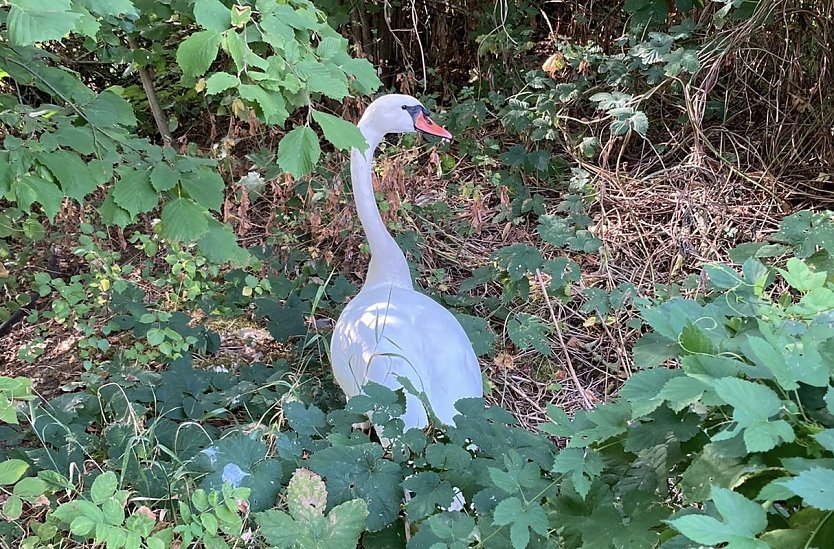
(512, 511)
(164, 177)
(33, 21)
(220, 82)
(366, 80)
(183, 219)
(530, 332)
(212, 15)
(753, 406)
(71, 172)
(321, 79)
(31, 188)
(134, 193)
(280, 530)
(112, 214)
(430, 492)
(341, 133)
(83, 526)
(272, 104)
(345, 523)
(108, 109)
(11, 470)
(583, 465)
(205, 187)
(31, 487)
(641, 390)
(299, 151)
(104, 486)
(801, 277)
(478, 331)
(628, 118)
(361, 472)
(110, 7)
(694, 340)
(815, 486)
(13, 507)
(681, 392)
(826, 439)
(743, 519)
(518, 260)
(220, 244)
(196, 53)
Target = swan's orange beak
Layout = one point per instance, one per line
(427, 125)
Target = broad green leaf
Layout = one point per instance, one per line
(322, 79)
(183, 219)
(134, 193)
(112, 213)
(299, 151)
(628, 118)
(220, 245)
(530, 332)
(196, 53)
(31, 188)
(12, 470)
(204, 186)
(341, 133)
(361, 472)
(646, 11)
(522, 518)
(681, 392)
(71, 172)
(277, 33)
(695, 340)
(80, 139)
(212, 15)
(742, 520)
(801, 277)
(329, 46)
(753, 406)
(518, 260)
(104, 486)
(582, 465)
(345, 523)
(164, 177)
(31, 487)
(702, 529)
(815, 486)
(642, 390)
(709, 468)
(31, 21)
(366, 80)
(272, 104)
(478, 331)
(747, 518)
(110, 7)
(280, 530)
(429, 493)
(108, 109)
(220, 82)
(826, 439)
(13, 507)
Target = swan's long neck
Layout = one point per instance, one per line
(388, 264)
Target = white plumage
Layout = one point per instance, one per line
(389, 329)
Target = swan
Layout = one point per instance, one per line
(390, 330)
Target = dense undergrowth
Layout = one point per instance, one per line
(143, 229)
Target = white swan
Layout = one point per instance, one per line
(390, 330)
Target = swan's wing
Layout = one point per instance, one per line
(375, 339)
(388, 332)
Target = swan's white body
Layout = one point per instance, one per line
(390, 330)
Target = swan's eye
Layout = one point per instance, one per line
(404, 107)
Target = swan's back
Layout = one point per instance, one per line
(388, 331)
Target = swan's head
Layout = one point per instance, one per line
(399, 113)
